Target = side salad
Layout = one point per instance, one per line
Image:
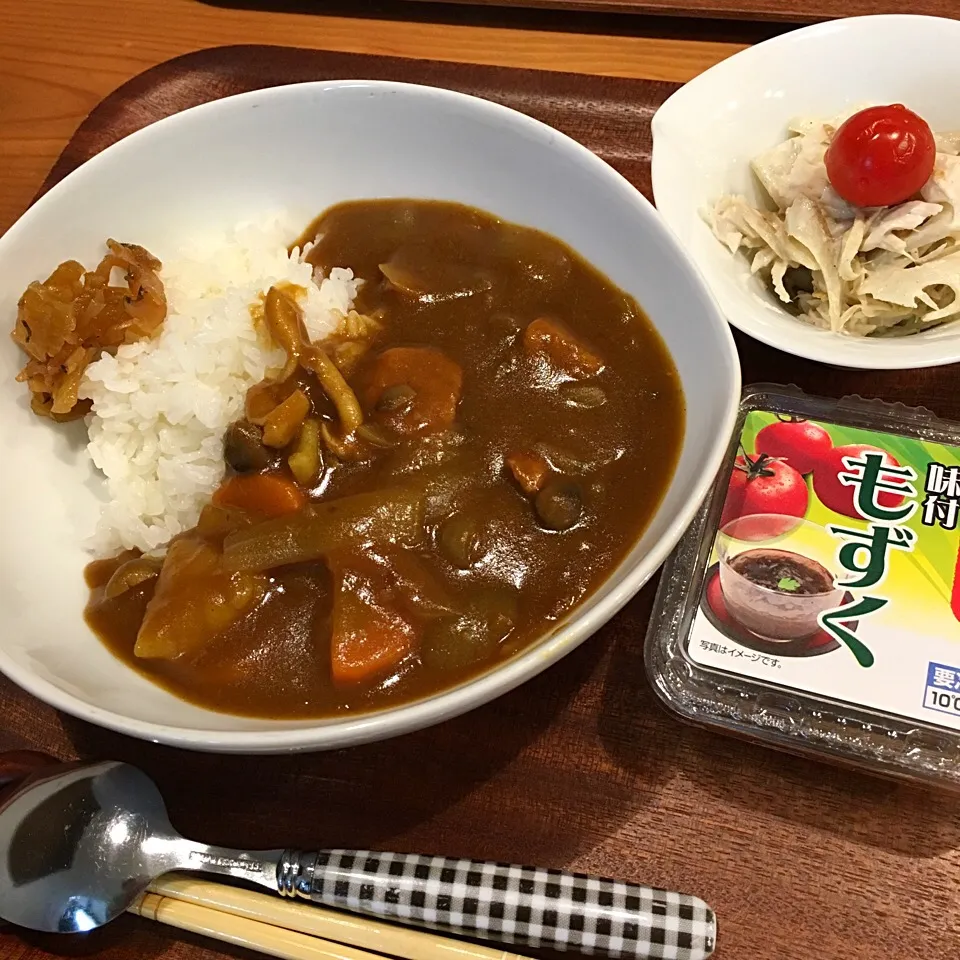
(862, 235)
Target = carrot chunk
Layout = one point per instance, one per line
(371, 636)
(268, 494)
(530, 470)
(413, 390)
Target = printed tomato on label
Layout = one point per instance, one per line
(840, 497)
(764, 485)
(799, 442)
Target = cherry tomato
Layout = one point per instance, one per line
(801, 443)
(881, 156)
(763, 485)
(838, 497)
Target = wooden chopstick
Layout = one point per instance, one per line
(273, 941)
(315, 921)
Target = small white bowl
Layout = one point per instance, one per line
(705, 135)
(300, 149)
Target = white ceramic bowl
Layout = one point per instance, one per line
(705, 135)
(301, 148)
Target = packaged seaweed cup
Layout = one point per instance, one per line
(814, 603)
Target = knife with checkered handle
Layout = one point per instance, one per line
(505, 903)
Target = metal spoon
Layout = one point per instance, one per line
(79, 842)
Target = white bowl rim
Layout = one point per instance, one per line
(815, 344)
(415, 715)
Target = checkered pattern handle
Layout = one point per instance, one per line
(505, 903)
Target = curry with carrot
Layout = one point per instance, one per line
(420, 496)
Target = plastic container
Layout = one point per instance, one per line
(814, 603)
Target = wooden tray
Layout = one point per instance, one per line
(580, 767)
(789, 11)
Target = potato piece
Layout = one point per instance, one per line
(195, 600)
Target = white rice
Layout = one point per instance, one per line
(160, 407)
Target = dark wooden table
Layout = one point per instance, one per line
(580, 767)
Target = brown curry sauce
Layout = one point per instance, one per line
(479, 284)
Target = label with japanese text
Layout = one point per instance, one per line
(835, 569)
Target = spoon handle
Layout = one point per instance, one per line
(497, 901)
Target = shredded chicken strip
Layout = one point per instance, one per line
(881, 271)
